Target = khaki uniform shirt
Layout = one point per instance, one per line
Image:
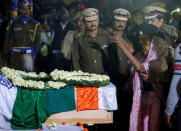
(89, 54)
(20, 35)
(172, 32)
(68, 41)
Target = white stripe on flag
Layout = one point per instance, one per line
(107, 98)
(7, 99)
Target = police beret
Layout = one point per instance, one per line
(90, 14)
(153, 11)
(121, 14)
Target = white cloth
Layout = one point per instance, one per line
(173, 97)
(7, 99)
(107, 99)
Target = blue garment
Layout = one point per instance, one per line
(25, 19)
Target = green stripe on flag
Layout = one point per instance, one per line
(61, 100)
(29, 109)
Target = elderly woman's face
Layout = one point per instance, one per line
(145, 42)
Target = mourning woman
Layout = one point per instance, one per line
(147, 66)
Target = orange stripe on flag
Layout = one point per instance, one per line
(87, 98)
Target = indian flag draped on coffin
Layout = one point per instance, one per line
(93, 98)
(21, 108)
(28, 108)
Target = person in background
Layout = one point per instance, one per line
(147, 90)
(155, 15)
(137, 18)
(71, 11)
(44, 61)
(61, 27)
(70, 37)
(175, 17)
(173, 107)
(22, 40)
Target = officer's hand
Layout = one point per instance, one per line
(144, 77)
(115, 37)
(167, 120)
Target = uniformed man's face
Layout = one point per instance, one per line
(80, 24)
(120, 25)
(92, 25)
(156, 22)
(25, 11)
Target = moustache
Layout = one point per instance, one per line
(120, 26)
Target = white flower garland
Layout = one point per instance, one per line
(80, 78)
(52, 126)
(16, 77)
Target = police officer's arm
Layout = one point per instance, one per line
(67, 43)
(120, 42)
(75, 55)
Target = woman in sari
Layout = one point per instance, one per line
(148, 65)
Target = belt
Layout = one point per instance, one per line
(22, 50)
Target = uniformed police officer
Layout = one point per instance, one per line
(120, 22)
(155, 15)
(89, 50)
(119, 61)
(22, 40)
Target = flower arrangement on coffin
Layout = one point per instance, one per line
(80, 78)
(31, 80)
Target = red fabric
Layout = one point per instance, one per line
(87, 98)
(177, 67)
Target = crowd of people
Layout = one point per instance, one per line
(139, 51)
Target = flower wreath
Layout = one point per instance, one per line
(31, 79)
(79, 78)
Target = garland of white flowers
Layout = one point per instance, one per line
(17, 78)
(80, 78)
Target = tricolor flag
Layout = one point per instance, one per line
(20, 108)
(93, 98)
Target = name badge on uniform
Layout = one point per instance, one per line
(104, 46)
(18, 28)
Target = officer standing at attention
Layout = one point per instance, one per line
(22, 39)
(89, 50)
